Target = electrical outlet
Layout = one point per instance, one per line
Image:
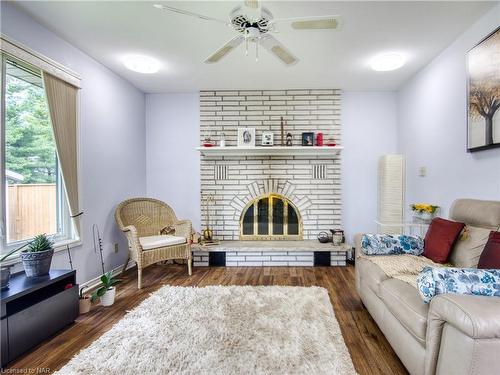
(422, 171)
(116, 248)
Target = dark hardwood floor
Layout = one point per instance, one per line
(370, 351)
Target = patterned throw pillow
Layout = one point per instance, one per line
(391, 244)
(433, 281)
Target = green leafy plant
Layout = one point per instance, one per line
(40, 243)
(108, 282)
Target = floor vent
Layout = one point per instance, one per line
(221, 172)
(319, 171)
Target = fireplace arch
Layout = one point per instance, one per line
(270, 217)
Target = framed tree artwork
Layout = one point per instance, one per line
(483, 94)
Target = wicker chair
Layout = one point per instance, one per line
(142, 219)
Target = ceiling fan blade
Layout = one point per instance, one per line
(270, 43)
(188, 13)
(252, 4)
(224, 50)
(310, 23)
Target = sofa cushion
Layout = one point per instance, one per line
(468, 248)
(471, 281)
(371, 275)
(404, 302)
(391, 244)
(440, 238)
(490, 257)
(153, 242)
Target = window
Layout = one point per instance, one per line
(33, 196)
(271, 217)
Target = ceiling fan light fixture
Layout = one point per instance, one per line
(387, 62)
(141, 64)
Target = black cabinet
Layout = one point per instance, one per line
(34, 309)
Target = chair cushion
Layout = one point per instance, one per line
(153, 242)
(404, 302)
(440, 238)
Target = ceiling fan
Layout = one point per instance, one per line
(254, 23)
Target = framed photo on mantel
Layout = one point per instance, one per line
(483, 94)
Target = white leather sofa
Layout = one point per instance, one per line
(454, 334)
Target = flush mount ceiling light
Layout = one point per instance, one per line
(141, 64)
(387, 61)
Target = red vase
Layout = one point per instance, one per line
(319, 139)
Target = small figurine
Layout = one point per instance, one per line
(222, 142)
(289, 139)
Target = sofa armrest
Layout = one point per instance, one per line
(357, 244)
(476, 317)
(183, 228)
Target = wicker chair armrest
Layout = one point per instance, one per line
(132, 237)
(183, 228)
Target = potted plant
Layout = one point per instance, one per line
(423, 212)
(85, 301)
(38, 256)
(106, 292)
(5, 268)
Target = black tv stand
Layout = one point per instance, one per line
(34, 309)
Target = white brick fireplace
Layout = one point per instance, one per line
(311, 182)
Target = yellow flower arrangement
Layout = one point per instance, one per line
(424, 207)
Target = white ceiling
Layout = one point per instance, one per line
(109, 30)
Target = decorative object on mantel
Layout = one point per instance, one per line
(267, 139)
(289, 139)
(319, 139)
(423, 213)
(37, 258)
(282, 131)
(331, 143)
(207, 142)
(222, 142)
(483, 76)
(308, 139)
(246, 137)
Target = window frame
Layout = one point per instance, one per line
(66, 235)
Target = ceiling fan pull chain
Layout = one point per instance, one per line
(246, 42)
(257, 49)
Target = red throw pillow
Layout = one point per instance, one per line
(490, 257)
(440, 238)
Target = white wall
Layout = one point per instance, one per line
(173, 164)
(112, 141)
(368, 131)
(432, 128)
(369, 128)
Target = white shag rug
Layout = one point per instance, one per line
(223, 330)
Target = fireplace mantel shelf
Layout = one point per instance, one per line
(271, 151)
